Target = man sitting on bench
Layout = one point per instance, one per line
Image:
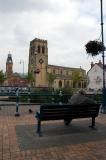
(81, 98)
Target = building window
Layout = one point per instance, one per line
(61, 72)
(84, 85)
(43, 49)
(74, 85)
(32, 50)
(54, 71)
(38, 49)
(60, 84)
(79, 84)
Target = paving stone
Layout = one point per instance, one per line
(18, 140)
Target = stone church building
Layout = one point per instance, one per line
(38, 66)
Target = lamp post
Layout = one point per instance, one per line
(22, 62)
(103, 56)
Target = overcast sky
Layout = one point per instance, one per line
(67, 25)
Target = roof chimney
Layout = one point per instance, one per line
(92, 64)
(100, 62)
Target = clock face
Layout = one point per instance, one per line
(41, 61)
(9, 61)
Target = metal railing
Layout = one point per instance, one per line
(31, 98)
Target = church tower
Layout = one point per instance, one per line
(9, 66)
(38, 61)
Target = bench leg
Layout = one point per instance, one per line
(39, 128)
(67, 121)
(93, 123)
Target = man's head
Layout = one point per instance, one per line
(82, 92)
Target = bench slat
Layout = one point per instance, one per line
(67, 112)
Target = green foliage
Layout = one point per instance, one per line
(51, 78)
(24, 98)
(41, 95)
(30, 77)
(96, 97)
(67, 90)
(2, 77)
(76, 77)
(65, 96)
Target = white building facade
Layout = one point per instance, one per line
(95, 77)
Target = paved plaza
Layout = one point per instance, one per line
(19, 140)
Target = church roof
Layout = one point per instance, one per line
(63, 67)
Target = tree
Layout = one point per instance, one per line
(2, 77)
(30, 77)
(76, 77)
(51, 78)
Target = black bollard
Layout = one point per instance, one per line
(17, 103)
(29, 98)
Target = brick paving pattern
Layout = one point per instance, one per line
(82, 150)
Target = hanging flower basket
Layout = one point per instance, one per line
(95, 47)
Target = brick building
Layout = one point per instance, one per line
(13, 79)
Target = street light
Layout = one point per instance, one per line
(22, 62)
(103, 56)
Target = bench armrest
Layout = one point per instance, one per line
(37, 115)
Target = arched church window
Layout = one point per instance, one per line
(43, 49)
(32, 50)
(84, 84)
(61, 72)
(74, 85)
(60, 84)
(53, 71)
(79, 84)
(38, 49)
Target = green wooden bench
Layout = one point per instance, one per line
(66, 112)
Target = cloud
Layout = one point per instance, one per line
(12, 6)
(67, 25)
